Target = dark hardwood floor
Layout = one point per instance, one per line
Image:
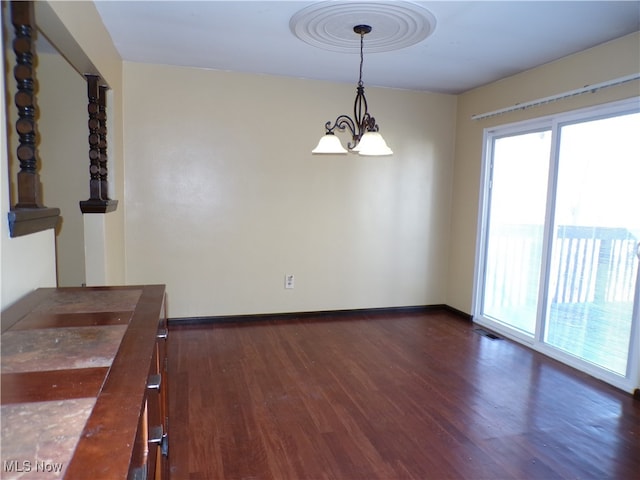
(387, 396)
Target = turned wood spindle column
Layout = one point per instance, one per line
(99, 201)
(94, 137)
(28, 184)
(102, 144)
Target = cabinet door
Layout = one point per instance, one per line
(155, 418)
(151, 451)
(163, 399)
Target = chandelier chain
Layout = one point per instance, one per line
(361, 58)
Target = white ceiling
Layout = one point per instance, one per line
(474, 42)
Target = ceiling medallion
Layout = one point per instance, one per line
(329, 25)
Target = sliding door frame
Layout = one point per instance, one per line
(536, 341)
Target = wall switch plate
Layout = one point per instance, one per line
(289, 281)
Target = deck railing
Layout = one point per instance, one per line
(589, 264)
(594, 264)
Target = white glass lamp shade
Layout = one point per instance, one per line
(328, 144)
(372, 144)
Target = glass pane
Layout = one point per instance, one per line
(516, 227)
(597, 225)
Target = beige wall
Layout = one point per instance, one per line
(224, 197)
(605, 62)
(78, 29)
(65, 161)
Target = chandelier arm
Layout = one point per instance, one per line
(369, 124)
(342, 122)
(328, 128)
(345, 121)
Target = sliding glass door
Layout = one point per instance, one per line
(519, 172)
(596, 230)
(557, 262)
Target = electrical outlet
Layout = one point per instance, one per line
(289, 281)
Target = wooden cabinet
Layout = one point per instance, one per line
(84, 384)
(151, 448)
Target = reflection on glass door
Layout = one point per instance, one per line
(518, 192)
(593, 272)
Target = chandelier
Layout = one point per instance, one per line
(366, 140)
